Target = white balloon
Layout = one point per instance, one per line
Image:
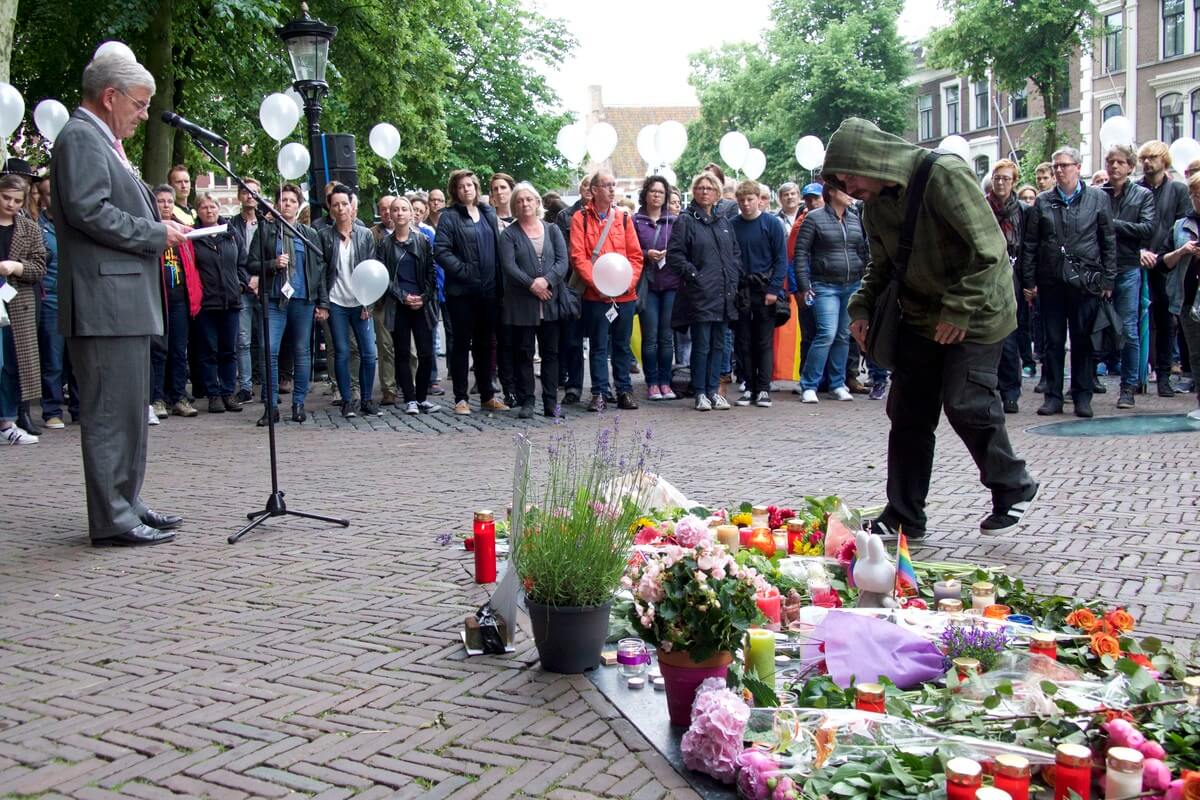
(612, 274)
(572, 142)
(1183, 152)
(278, 116)
(12, 109)
(50, 116)
(669, 174)
(670, 140)
(645, 145)
(295, 97)
(601, 141)
(114, 48)
(810, 153)
(293, 160)
(369, 281)
(1115, 130)
(957, 145)
(385, 140)
(754, 163)
(733, 148)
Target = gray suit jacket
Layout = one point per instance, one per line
(109, 238)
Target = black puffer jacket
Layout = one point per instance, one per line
(830, 250)
(1087, 235)
(221, 262)
(704, 252)
(1134, 222)
(456, 249)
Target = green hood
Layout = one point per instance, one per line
(859, 147)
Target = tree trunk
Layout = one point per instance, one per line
(1049, 92)
(157, 157)
(8, 27)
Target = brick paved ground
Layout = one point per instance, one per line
(319, 662)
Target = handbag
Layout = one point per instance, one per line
(783, 310)
(1076, 273)
(883, 335)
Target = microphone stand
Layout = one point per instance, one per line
(275, 506)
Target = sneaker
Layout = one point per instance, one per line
(703, 403)
(427, 407)
(495, 404)
(1164, 387)
(878, 391)
(1126, 398)
(745, 398)
(371, 409)
(763, 400)
(14, 435)
(348, 411)
(160, 409)
(436, 391)
(719, 403)
(1005, 519)
(1050, 408)
(634, 369)
(151, 417)
(809, 396)
(215, 406)
(1102, 369)
(654, 393)
(462, 407)
(1029, 371)
(231, 403)
(1011, 407)
(1098, 386)
(412, 407)
(1083, 408)
(667, 392)
(597, 404)
(1194, 414)
(525, 411)
(625, 402)
(298, 413)
(184, 409)
(855, 387)
(882, 528)
(842, 393)
(570, 397)
(56, 423)
(243, 396)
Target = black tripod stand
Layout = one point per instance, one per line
(275, 506)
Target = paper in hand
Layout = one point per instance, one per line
(200, 233)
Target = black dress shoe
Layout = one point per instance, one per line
(626, 401)
(298, 413)
(525, 411)
(1083, 407)
(262, 421)
(231, 403)
(1011, 407)
(1098, 386)
(215, 406)
(1050, 408)
(142, 534)
(164, 522)
(570, 397)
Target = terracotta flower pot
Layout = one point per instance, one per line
(682, 676)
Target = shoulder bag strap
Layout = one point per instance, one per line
(916, 199)
(612, 214)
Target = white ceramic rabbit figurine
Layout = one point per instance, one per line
(874, 574)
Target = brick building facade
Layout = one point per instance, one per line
(625, 162)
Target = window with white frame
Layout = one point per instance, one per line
(1172, 28)
(950, 98)
(1170, 117)
(925, 117)
(1020, 104)
(1195, 113)
(983, 108)
(1109, 111)
(1114, 41)
(981, 166)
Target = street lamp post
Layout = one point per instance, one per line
(307, 41)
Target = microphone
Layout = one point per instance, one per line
(187, 126)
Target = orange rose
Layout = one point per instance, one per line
(1083, 618)
(1120, 619)
(1191, 785)
(1105, 645)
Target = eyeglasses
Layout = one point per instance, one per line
(140, 105)
(1066, 165)
(703, 188)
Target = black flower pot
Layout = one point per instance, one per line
(569, 638)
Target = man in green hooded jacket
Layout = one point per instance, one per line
(957, 307)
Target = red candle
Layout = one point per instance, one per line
(744, 537)
(1072, 771)
(795, 535)
(769, 602)
(963, 777)
(485, 547)
(869, 697)
(1043, 644)
(1012, 775)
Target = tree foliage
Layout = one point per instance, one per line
(1050, 32)
(458, 78)
(820, 62)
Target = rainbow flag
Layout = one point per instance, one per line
(906, 576)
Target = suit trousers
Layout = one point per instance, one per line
(522, 338)
(961, 380)
(1063, 309)
(114, 382)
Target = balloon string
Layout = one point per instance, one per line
(395, 188)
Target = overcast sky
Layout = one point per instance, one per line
(619, 40)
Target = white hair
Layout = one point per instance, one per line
(525, 186)
(116, 71)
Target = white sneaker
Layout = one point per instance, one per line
(15, 435)
(703, 403)
(1194, 414)
(842, 393)
(719, 403)
(428, 407)
(744, 399)
(411, 407)
(809, 396)
(763, 400)
(151, 417)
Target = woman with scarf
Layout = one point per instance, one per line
(1012, 216)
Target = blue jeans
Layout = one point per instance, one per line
(658, 345)
(832, 341)
(249, 321)
(1127, 292)
(708, 350)
(605, 338)
(51, 346)
(727, 352)
(341, 321)
(10, 378)
(297, 319)
(168, 356)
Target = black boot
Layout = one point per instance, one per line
(298, 413)
(25, 422)
(262, 421)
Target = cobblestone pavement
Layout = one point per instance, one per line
(319, 662)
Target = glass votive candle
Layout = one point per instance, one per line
(632, 657)
(996, 611)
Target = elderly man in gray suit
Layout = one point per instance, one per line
(111, 295)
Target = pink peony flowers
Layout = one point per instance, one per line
(691, 531)
(714, 739)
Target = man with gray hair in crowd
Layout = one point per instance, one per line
(789, 204)
(110, 294)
